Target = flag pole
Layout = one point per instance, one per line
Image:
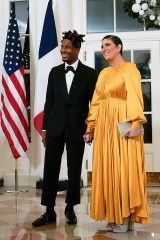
(16, 181)
(16, 177)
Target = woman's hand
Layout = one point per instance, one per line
(131, 132)
(88, 137)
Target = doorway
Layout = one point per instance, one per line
(144, 53)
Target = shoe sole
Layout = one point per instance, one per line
(70, 223)
(48, 222)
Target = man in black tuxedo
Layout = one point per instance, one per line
(70, 89)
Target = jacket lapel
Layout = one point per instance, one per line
(62, 81)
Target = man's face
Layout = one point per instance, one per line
(69, 52)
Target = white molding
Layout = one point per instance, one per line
(129, 36)
(78, 16)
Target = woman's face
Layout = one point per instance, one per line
(109, 50)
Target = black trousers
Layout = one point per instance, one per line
(52, 164)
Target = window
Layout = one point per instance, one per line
(109, 16)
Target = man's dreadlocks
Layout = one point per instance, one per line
(74, 37)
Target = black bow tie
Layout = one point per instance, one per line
(69, 68)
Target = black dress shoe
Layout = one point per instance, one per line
(70, 217)
(44, 219)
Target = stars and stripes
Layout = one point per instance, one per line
(14, 119)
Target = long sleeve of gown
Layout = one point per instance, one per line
(90, 121)
(135, 105)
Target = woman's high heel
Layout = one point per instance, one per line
(130, 226)
(120, 228)
(110, 227)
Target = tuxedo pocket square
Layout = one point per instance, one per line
(124, 126)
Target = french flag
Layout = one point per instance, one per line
(48, 57)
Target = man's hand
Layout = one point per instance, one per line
(44, 138)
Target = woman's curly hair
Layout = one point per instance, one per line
(74, 37)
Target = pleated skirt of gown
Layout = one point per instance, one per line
(118, 173)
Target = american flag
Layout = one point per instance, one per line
(14, 119)
(49, 56)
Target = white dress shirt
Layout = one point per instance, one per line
(70, 74)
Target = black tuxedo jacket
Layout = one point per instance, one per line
(65, 111)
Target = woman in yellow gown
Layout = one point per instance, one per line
(118, 174)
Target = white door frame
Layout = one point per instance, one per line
(134, 42)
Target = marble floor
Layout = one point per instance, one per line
(18, 210)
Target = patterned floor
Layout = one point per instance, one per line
(18, 210)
